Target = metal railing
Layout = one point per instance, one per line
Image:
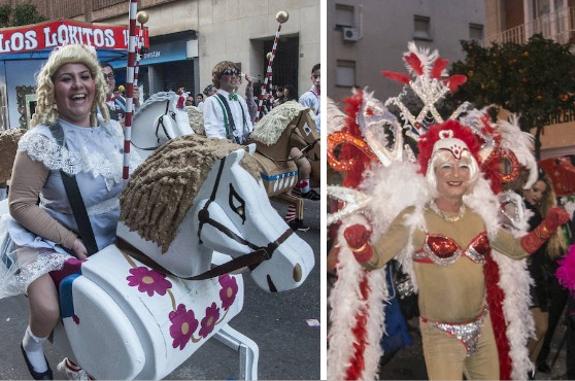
(558, 26)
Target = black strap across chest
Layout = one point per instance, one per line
(75, 198)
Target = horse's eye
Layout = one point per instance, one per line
(237, 204)
(307, 130)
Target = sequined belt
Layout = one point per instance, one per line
(467, 333)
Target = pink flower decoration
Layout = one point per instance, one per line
(210, 320)
(148, 281)
(229, 290)
(184, 324)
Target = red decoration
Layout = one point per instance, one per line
(427, 141)
(456, 80)
(562, 174)
(395, 76)
(414, 62)
(495, 300)
(438, 66)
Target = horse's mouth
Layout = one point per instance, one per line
(271, 284)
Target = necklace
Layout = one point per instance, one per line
(433, 206)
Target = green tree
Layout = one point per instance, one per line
(21, 14)
(535, 80)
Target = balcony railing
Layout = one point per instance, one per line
(558, 26)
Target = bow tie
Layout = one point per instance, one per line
(233, 97)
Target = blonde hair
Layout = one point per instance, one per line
(46, 109)
(219, 69)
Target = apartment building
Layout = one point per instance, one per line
(516, 21)
(367, 36)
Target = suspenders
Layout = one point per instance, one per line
(229, 121)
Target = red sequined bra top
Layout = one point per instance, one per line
(444, 251)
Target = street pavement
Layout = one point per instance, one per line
(289, 346)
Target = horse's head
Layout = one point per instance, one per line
(157, 121)
(234, 216)
(306, 137)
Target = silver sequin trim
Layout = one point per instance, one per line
(467, 333)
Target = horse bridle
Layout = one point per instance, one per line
(250, 260)
(160, 124)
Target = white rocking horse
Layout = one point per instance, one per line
(288, 125)
(124, 319)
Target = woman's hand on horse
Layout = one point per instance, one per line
(79, 249)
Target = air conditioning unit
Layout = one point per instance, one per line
(351, 34)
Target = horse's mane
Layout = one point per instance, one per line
(269, 129)
(196, 119)
(8, 147)
(163, 188)
(157, 97)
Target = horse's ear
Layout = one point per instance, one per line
(251, 148)
(237, 155)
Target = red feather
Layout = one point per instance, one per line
(438, 66)
(395, 76)
(455, 81)
(495, 296)
(413, 60)
(357, 362)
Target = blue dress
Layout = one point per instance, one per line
(95, 156)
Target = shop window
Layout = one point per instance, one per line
(345, 73)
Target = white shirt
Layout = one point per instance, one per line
(311, 100)
(215, 116)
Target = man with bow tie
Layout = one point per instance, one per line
(226, 114)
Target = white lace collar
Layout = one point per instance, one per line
(95, 150)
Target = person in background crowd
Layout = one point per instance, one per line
(289, 93)
(251, 99)
(547, 296)
(199, 99)
(278, 96)
(226, 114)
(311, 98)
(182, 96)
(115, 101)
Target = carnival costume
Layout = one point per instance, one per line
(41, 237)
(473, 292)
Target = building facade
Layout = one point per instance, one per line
(516, 21)
(367, 36)
(188, 37)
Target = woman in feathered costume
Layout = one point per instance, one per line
(441, 221)
(449, 240)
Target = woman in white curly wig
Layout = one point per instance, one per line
(43, 243)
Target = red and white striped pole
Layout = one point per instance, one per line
(132, 42)
(142, 17)
(281, 17)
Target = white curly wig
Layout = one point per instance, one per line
(46, 109)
